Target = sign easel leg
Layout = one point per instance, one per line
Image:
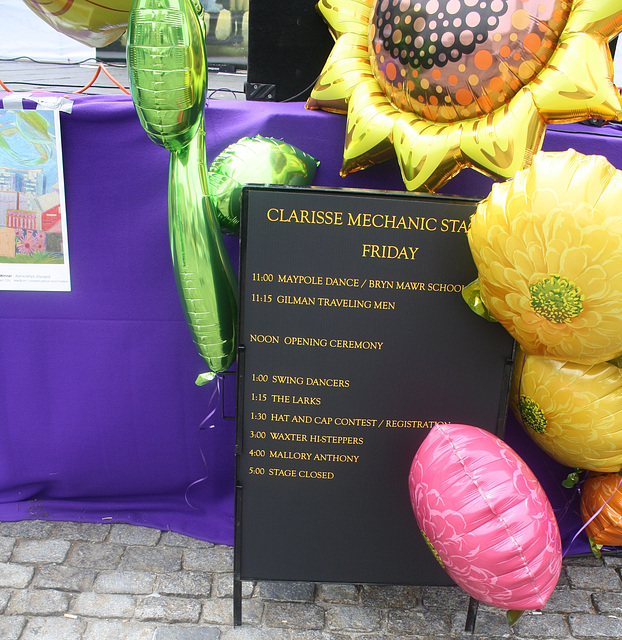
(471, 616)
(237, 602)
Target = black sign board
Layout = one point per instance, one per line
(354, 342)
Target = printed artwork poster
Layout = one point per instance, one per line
(33, 223)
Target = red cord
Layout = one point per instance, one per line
(100, 68)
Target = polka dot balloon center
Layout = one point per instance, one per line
(449, 60)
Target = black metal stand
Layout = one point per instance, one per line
(471, 616)
(237, 602)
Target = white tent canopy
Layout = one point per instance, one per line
(24, 34)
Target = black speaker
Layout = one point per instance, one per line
(288, 44)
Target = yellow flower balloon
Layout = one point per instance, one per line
(571, 411)
(548, 250)
(448, 84)
(96, 24)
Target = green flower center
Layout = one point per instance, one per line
(556, 298)
(531, 414)
(432, 549)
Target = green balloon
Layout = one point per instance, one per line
(205, 279)
(256, 160)
(167, 68)
(168, 79)
(471, 294)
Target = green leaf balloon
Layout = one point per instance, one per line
(256, 160)
(167, 68)
(205, 279)
(168, 78)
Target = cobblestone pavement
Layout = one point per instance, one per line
(71, 581)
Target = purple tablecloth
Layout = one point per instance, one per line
(99, 414)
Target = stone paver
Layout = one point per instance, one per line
(40, 551)
(64, 578)
(220, 612)
(350, 618)
(294, 615)
(15, 575)
(167, 609)
(118, 630)
(89, 531)
(5, 595)
(135, 582)
(338, 593)
(181, 633)
(489, 623)
(88, 581)
(98, 605)
(89, 555)
(576, 601)
(36, 529)
(607, 603)
(140, 558)
(223, 586)
(185, 583)
(594, 578)
(288, 591)
(41, 602)
(585, 625)
(127, 534)
(53, 629)
(172, 539)
(545, 625)
(6, 547)
(11, 627)
(391, 596)
(217, 559)
(407, 622)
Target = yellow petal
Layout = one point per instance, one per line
(347, 66)
(577, 82)
(428, 154)
(583, 178)
(602, 17)
(610, 199)
(505, 141)
(370, 123)
(346, 16)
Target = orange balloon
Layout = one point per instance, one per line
(96, 24)
(603, 491)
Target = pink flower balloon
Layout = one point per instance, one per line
(486, 517)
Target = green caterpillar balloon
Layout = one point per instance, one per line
(168, 79)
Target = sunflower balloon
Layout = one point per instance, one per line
(548, 249)
(571, 411)
(448, 84)
(96, 24)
